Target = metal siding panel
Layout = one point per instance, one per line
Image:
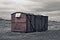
(43, 23)
(19, 26)
(36, 23)
(29, 23)
(21, 19)
(33, 23)
(39, 23)
(46, 22)
(26, 23)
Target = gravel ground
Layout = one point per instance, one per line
(47, 35)
(6, 34)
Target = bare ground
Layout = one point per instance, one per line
(6, 34)
(47, 35)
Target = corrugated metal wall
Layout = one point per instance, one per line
(29, 23)
(18, 24)
(37, 23)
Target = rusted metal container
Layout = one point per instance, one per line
(28, 22)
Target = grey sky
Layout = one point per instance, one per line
(47, 7)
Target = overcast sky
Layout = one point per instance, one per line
(46, 7)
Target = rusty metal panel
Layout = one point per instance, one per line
(19, 26)
(29, 23)
(19, 19)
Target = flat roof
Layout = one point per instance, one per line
(26, 13)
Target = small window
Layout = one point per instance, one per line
(18, 15)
